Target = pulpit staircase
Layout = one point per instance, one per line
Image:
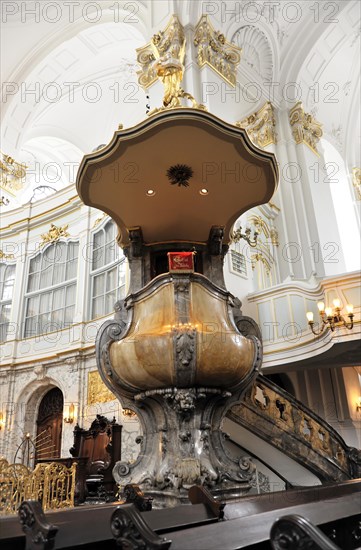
(278, 418)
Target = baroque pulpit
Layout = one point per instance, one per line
(178, 352)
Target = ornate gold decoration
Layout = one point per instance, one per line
(54, 234)
(4, 256)
(97, 390)
(99, 220)
(305, 128)
(261, 126)
(262, 226)
(129, 413)
(214, 50)
(272, 205)
(237, 235)
(274, 236)
(259, 257)
(163, 58)
(12, 174)
(356, 180)
(53, 484)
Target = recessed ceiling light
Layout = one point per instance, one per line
(203, 191)
(150, 193)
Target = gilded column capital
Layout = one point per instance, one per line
(305, 128)
(261, 126)
(356, 181)
(213, 49)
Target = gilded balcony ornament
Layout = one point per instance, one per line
(54, 234)
(163, 58)
(214, 50)
(261, 126)
(305, 128)
(356, 180)
(12, 174)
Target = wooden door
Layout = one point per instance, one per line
(49, 425)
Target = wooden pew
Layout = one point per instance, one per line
(336, 508)
(92, 525)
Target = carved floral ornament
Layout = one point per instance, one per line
(261, 126)
(54, 234)
(305, 128)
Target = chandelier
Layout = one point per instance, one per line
(331, 317)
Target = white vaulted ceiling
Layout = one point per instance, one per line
(85, 82)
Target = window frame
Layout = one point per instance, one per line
(49, 290)
(9, 301)
(120, 260)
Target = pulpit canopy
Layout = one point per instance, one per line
(177, 174)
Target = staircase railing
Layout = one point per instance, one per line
(280, 419)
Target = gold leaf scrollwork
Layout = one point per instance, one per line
(305, 128)
(99, 220)
(262, 226)
(259, 257)
(274, 236)
(54, 234)
(4, 256)
(214, 50)
(53, 484)
(261, 126)
(97, 390)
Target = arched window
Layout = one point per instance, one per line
(108, 271)
(7, 278)
(51, 289)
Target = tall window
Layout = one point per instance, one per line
(7, 278)
(107, 273)
(51, 290)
